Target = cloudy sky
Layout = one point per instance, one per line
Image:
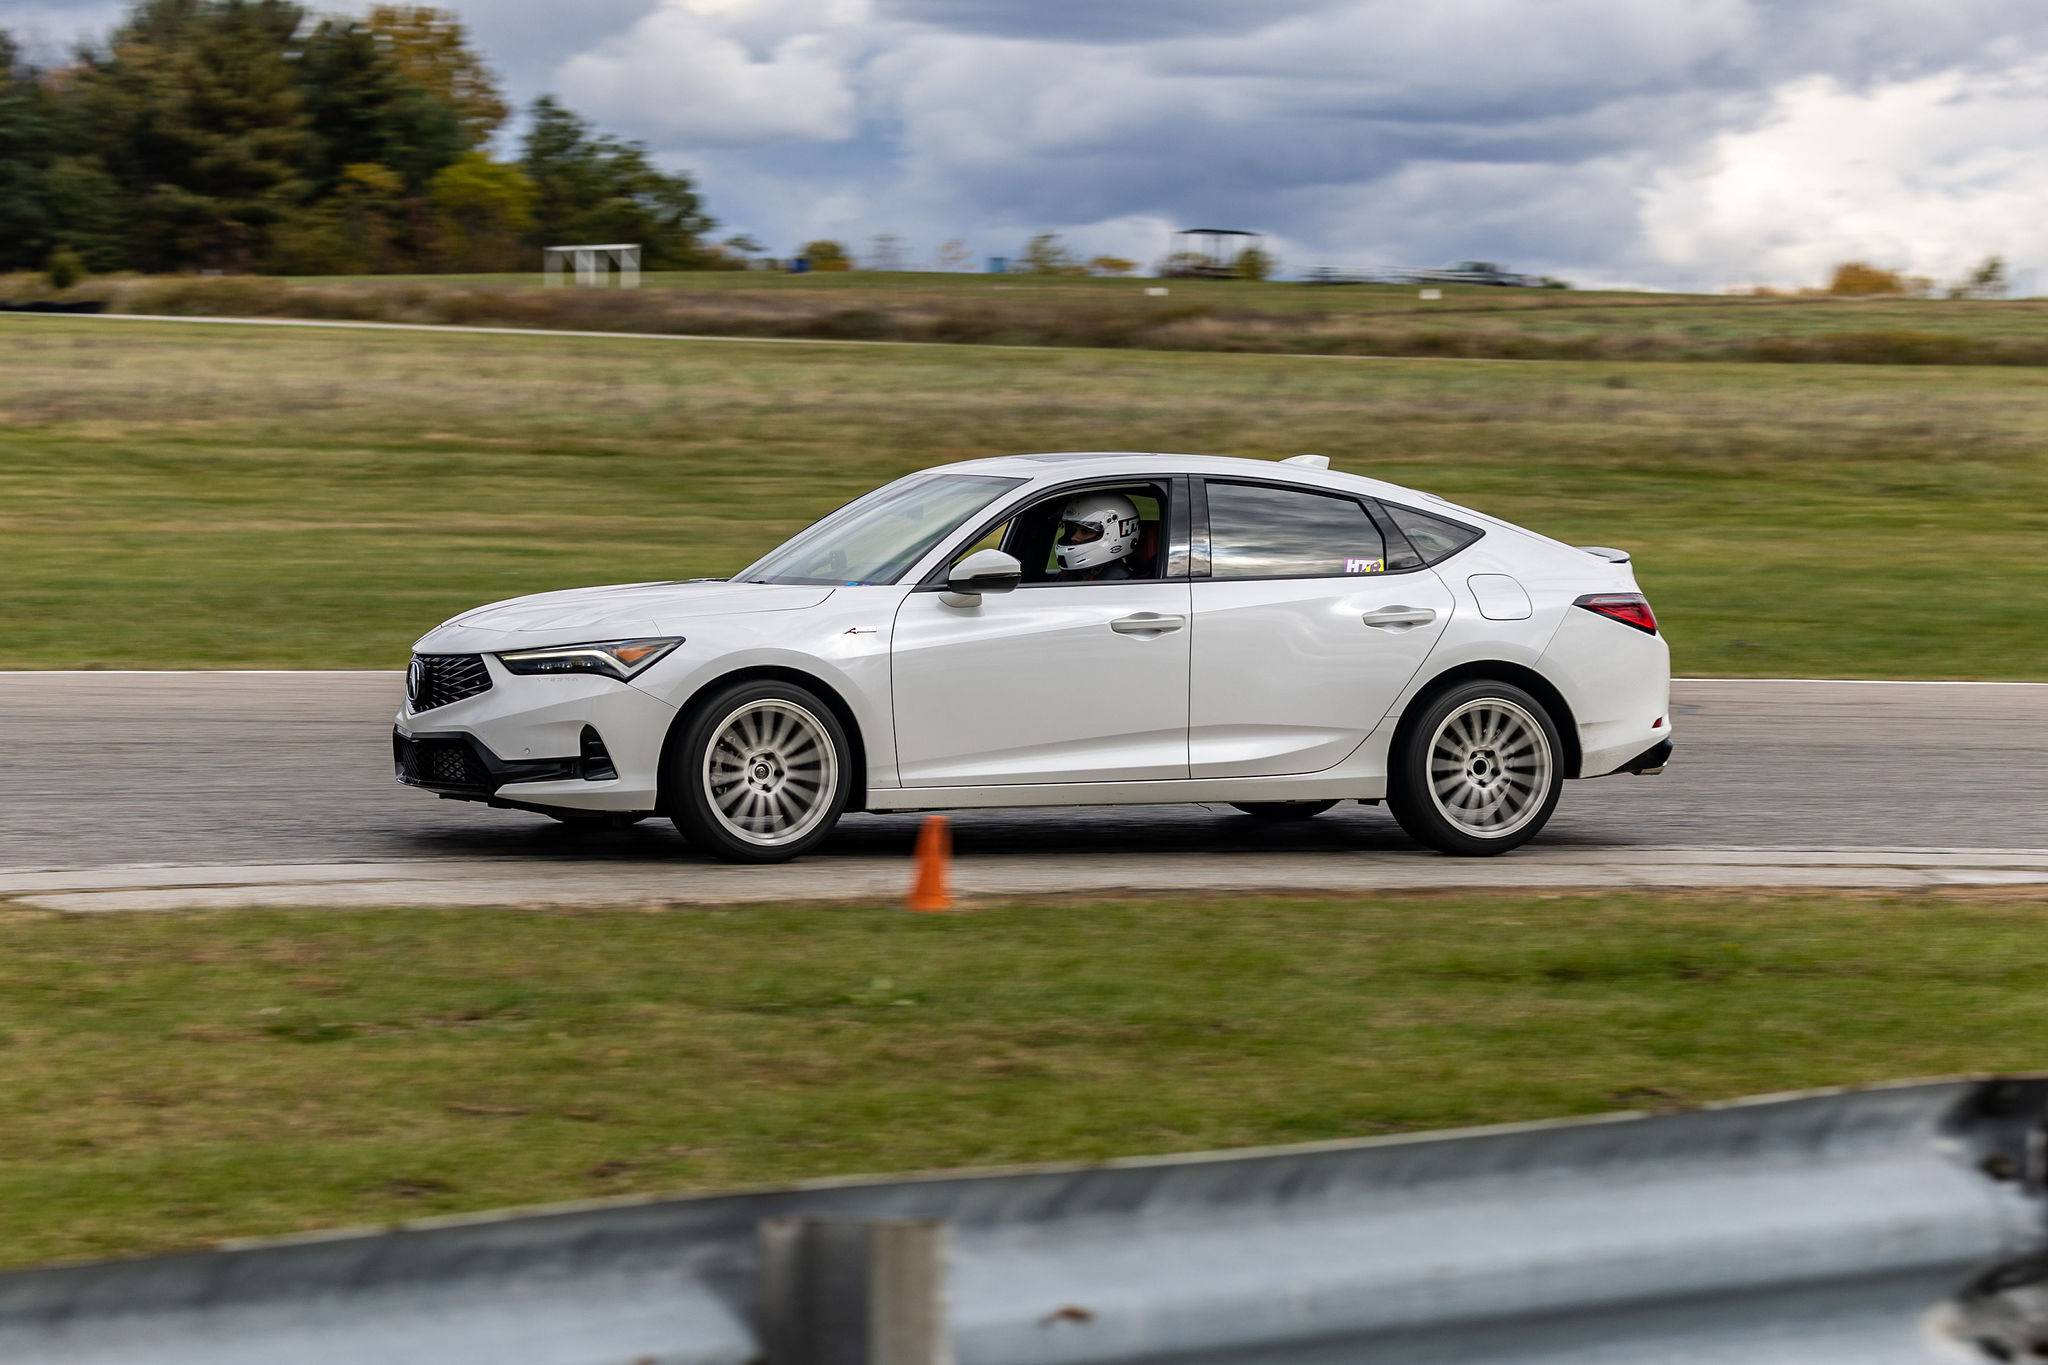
(1672, 143)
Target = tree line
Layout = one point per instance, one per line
(241, 135)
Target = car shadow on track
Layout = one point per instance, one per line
(1110, 830)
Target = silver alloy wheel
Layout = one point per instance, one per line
(770, 772)
(1489, 767)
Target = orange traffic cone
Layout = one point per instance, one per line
(928, 892)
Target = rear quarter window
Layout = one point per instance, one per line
(1435, 538)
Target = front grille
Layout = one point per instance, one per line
(442, 679)
(438, 763)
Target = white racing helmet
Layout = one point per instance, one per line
(1095, 529)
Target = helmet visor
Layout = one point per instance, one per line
(1078, 532)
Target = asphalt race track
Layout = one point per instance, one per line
(125, 784)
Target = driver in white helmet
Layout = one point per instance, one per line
(1096, 535)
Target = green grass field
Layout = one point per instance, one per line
(218, 496)
(173, 1080)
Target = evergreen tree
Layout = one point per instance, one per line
(594, 188)
(237, 135)
(366, 227)
(88, 211)
(197, 113)
(26, 132)
(362, 109)
(431, 49)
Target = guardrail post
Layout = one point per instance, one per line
(853, 1291)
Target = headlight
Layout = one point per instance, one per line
(613, 658)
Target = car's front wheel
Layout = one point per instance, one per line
(1479, 771)
(761, 774)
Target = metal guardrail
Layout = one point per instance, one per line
(1903, 1224)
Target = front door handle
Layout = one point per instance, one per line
(1399, 618)
(1147, 623)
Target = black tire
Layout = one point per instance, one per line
(776, 775)
(597, 819)
(1283, 811)
(1474, 770)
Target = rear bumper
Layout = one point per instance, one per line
(1649, 761)
(1617, 682)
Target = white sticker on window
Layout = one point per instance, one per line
(1365, 566)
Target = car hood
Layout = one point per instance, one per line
(617, 612)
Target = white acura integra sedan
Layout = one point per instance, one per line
(1066, 630)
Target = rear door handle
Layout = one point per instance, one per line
(1147, 623)
(1399, 618)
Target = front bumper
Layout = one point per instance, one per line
(460, 765)
(523, 742)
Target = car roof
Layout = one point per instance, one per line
(1056, 466)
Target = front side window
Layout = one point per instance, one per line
(879, 537)
(1095, 534)
(1262, 532)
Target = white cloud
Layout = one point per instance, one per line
(1467, 58)
(716, 72)
(47, 32)
(965, 101)
(784, 210)
(1101, 21)
(1695, 144)
(1716, 142)
(1144, 238)
(1544, 218)
(1928, 175)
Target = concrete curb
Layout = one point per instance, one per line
(442, 883)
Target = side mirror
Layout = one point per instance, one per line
(983, 571)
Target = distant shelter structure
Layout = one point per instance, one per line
(1205, 253)
(594, 264)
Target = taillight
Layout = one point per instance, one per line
(1629, 608)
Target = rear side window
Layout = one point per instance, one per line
(1434, 538)
(1261, 532)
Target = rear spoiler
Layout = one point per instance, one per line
(1607, 552)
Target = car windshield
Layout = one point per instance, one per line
(877, 538)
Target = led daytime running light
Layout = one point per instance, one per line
(613, 658)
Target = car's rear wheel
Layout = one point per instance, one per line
(762, 773)
(1479, 771)
(1283, 810)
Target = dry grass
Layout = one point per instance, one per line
(1196, 315)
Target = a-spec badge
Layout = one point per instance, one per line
(415, 680)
